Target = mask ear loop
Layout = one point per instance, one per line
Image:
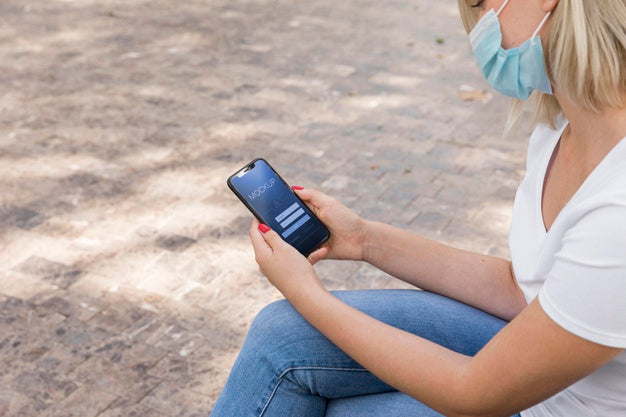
(502, 7)
(543, 21)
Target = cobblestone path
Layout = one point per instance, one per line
(127, 281)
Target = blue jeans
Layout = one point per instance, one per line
(286, 368)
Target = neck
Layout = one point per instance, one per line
(592, 135)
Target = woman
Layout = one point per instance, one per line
(543, 335)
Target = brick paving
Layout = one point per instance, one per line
(127, 281)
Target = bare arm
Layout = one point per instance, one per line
(482, 281)
(530, 360)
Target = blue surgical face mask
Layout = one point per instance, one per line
(513, 72)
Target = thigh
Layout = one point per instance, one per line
(286, 364)
(447, 322)
(391, 404)
(298, 352)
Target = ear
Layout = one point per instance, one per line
(549, 5)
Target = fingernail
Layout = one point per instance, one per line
(264, 228)
(297, 187)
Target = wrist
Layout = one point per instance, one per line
(306, 292)
(368, 244)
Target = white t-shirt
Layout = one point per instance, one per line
(577, 269)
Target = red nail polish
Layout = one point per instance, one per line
(264, 228)
(297, 187)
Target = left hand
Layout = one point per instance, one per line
(286, 268)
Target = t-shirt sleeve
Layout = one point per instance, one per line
(585, 291)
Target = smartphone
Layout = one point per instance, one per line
(274, 203)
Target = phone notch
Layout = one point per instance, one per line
(246, 169)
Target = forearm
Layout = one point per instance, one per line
(424, 370)
(528, 361)
(485, 282)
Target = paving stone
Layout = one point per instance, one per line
(58, 360)
(173, 334)
(33, 408)
(80, 338)
(172, 399)
(21, 348)
(84, 402)
(175, 243)
(23, 286)
(120, 316)
(130, 354)
(335, 274)
(195, 372)
(11, 402)
(112, 378)
(54, 272)
(44, 387)
(67, 303)
(13, 311)
(129, 409)
(19, 217)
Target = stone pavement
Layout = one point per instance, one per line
(127, 281)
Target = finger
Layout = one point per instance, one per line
(260, 246)
(254, 227)
(271, 238)
(318, 255)
(313, 197)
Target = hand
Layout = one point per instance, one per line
(348, 230)
(286, 268)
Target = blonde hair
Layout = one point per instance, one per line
(586, 57)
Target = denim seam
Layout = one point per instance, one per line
(301, 368)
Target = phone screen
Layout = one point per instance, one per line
(274, 203)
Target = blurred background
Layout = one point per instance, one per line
(127, 281)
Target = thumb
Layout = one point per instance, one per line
(306, 194)
(313, 198)
(272, 238)
(318, 255)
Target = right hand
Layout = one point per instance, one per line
(348, 230)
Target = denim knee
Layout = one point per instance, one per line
(274, 323)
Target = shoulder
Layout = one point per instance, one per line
(586, 271)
